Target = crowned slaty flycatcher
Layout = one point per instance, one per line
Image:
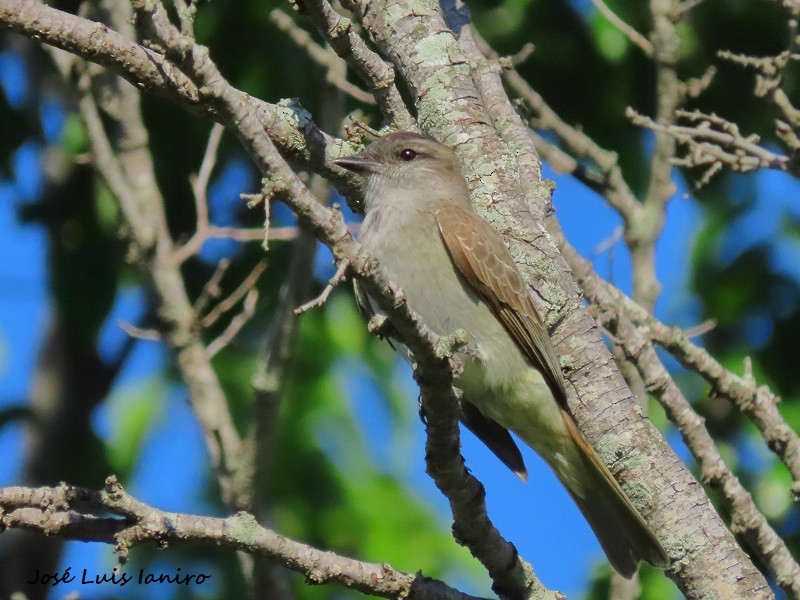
(457, 273)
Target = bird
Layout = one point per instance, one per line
(457, 274)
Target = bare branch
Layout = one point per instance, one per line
(715, 142)
(759, 403)
(325, 57)
(746, 519)
(434, 372)
(683, 8)
(701, 329)
(132, 330)
(199, 184)
(370, 67)
(211, 290)
(287, 124)
(449, 107)
(70, 512)
(341, 271)
(768, 84)
(634, 36)
(142, 208)
(233, 299)
(609, 181)
(642, 234)
(236, 324)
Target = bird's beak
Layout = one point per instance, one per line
(357, 163)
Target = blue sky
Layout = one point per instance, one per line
(173, 462)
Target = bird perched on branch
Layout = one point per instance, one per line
(457, 274)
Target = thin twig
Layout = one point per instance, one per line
(211, 289)
(200, 181)
(228, 303)
(324, 57)
(634, 36)
(341, 271)
(701, 329)
(139, 333)
(235, 326)
(715, 142)
(610, 241)
(267, 225)
(199, 185)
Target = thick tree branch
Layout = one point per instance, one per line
(758, 403)
(287, 124)
(608, 180)
(415, 37)
(73, 513)
(746, 519)
(369, 66)
(449, 107)
(433, 369)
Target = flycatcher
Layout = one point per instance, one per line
(457, 273)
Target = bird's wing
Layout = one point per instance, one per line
(495, 436)
(482, 258)
(480, 255)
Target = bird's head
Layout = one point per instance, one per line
(406, 161)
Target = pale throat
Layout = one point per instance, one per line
(426, 189)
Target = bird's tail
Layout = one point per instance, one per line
(623, 534)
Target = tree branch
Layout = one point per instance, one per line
(448, 107)
(414, 36)
(71, 512)
(324, 56)
(369, 66)
(288, 124)
(433, 369)
(746, 519)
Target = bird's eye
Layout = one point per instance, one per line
(408, 154)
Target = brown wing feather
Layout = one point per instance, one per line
(480, 255)
(496, 438)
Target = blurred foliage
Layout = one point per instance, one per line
(323, 488)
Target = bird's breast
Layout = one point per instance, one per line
(408, 245)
